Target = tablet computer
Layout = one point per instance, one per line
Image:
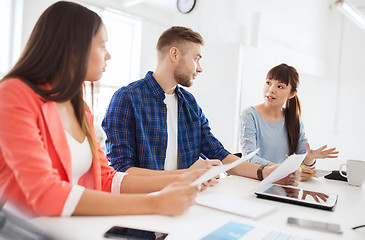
(321, 200)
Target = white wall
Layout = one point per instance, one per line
(244, 39)
(327, 49)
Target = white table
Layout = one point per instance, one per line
(349, 212)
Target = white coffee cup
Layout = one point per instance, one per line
(355, 172)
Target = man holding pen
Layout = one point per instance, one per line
(154, 126)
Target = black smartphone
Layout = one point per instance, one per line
(117, 232)
(335, 175)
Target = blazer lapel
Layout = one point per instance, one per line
(58, 136)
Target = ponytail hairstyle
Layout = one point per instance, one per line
(57, 53)
(289, 75)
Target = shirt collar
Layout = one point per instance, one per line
(178, 92)
(157, 90)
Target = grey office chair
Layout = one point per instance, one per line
(13, 227)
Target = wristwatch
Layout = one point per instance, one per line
(259, 172)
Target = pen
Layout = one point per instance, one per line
(203, 156)
(309, 173)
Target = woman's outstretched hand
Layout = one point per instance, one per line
(319, 153)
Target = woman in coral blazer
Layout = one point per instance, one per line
(41, 101)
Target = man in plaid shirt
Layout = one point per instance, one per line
(153, 126)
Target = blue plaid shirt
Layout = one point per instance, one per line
(135, 125)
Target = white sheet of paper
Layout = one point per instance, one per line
(291, 164)
(216, 170)
(243, 207)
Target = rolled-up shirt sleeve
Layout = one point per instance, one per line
(76, 192)
(72, 200)
(117, 181)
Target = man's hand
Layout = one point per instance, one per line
(205, 164)
(191, 175)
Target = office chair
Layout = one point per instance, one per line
(13, 227)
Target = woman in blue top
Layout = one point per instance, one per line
(278, 131)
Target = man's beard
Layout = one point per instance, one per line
(182, 78)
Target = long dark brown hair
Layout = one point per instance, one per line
(289, 75)
(57, 53)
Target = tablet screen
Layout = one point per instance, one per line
(300, 196)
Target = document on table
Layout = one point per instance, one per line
(226, 229)
(216, 170)
(239, 206)
(291, 164)
(241, 231)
